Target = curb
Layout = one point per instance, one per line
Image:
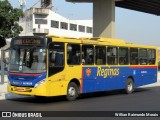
(2, 96)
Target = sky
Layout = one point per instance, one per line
(131, 26)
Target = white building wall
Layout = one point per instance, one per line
(28, 24)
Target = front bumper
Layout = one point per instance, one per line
(29, 91)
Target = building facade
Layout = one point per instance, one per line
(42, 21)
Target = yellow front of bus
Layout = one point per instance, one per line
(29, 70)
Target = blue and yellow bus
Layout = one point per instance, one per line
(56, 66)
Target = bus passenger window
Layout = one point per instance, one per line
(73, 54)
(143, 61)
(112, 55)
(87, 54)
(100, 55)
(143, 56)
(134, 56)
(123, 56)
(151, 56)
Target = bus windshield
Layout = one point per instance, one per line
(27, 60)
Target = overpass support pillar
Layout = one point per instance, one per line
(104, 18)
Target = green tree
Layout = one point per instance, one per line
(8, 20)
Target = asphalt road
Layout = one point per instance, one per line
(143, 99)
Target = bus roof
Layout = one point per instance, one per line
(98, 41)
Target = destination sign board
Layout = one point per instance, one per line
(27, 41)
(30, 41)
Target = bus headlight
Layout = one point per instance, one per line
(39, 83)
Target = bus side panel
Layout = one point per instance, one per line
(151, 77)
(57, 84)
(102, 78)
(144, 75)
(111, 78)
(89, 79)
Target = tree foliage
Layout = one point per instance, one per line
(9, 17)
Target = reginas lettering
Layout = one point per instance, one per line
(105, 72)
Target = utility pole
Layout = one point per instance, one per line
(22, 4)
(2, 67)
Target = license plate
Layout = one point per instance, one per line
(20, 89)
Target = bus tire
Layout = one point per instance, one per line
(129, 86)
(72, 91)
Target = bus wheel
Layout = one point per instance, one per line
(129, 86)
(72, 91)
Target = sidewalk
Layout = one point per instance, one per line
(3, 91)
(5, 95)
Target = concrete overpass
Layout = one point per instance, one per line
(104, 13)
